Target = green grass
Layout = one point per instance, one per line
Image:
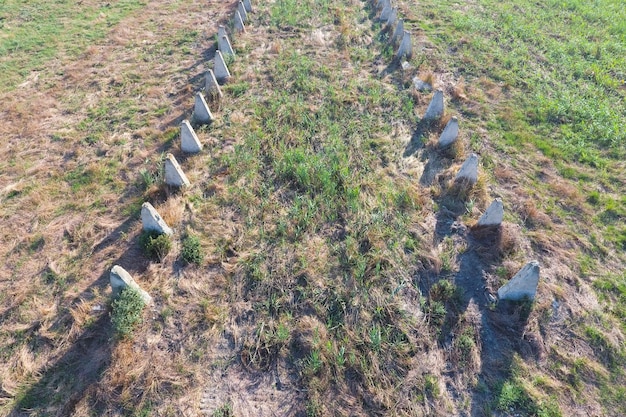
(564, 63)
(155, 245)
(126, 312)
(35, 32)
(315, 224)
(191, 251)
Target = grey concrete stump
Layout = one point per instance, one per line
(221, 31)
(223, 44)
(174, 174)
(385, 12)
(523, 284)
(469, 170)
(421, 85)
(152, 221)
(201, 112)
(242, 11)
(219, 68)
(405, 48)
(238, 22)
(435, 108)
(450, 133)
(399, 32)
(393, 17)
(189, 142)
(119, 279)
(212, 88)
(493, 216)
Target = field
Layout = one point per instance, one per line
(324, 260)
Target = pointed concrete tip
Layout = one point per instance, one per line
(386, 12)
(450, 133)
(393, 17)
(469, 170)
(238, 22)
(223, 44)
(494, 214)
(201, 112)
(421, 85)
(522, 285)
(436, 107)
(152, 221)
(174, 174)
(212, 88)
(242, 11)
(405, 48)
(219, 67)
(399, 32)
(189, 141)
(119, 279)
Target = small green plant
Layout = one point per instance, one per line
(376, 337)
(225, 410)
(594, 197)
(155, 245)
(191, 251)
(431, 385)
(313, 363)
(126, 312)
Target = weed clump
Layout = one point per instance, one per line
(156, 246)
(126, 312)
(225, 410)
(191, 251)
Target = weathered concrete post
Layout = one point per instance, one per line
(152, 221)
(435, 108)
(219, 68)
(189, 142)
(119, 279)
(469, 170)
(450, 133)
(523, 284)
(174, 174)
(493, 216)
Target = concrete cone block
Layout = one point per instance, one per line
(435, 108)
(247, 5)
(174, 174)
(385, 12)
(405, 48)
(421, 85)
(450, 133)
(494, 214)
(242, 11)
(238, 22)
(223, 44)
(201, 112)
(212, 88)
(221, 32)
(523, 284)
(119, 279)
(152, 221)
(393, 17)
(469, 170)
(399, 32)
(219, 68)
(189, 142)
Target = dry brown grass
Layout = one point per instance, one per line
(211, 337)
(533, 217)
(458, 90)
(77, 247)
